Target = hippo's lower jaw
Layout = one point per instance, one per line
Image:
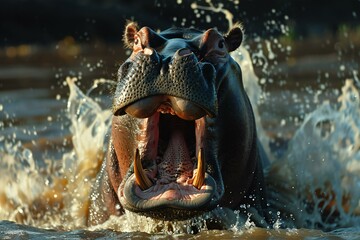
(172, 201)
(166, 179)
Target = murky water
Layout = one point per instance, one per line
(51, 148)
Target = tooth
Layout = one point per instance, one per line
(140, 176)
(200, 174)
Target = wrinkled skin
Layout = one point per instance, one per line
(183, 138)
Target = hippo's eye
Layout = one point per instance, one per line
(136, 41)
(221, 44)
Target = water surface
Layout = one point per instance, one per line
(54, 125)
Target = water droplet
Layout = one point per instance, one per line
(208, 18)
(283, 122)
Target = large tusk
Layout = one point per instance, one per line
(200, 174)
(140, 176)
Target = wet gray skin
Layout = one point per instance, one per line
(183, 138)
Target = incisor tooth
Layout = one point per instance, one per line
(200, 174)
(140, 176)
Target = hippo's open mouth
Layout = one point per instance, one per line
(169, 169)
(183, 135)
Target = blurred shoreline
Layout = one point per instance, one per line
(47, 66)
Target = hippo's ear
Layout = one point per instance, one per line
(234, 38)
(129, 35)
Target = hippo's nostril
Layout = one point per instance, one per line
(184, 52)
(164, 69)
(183, 56)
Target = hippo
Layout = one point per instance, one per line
(183, 138)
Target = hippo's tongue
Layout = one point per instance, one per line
(176, 164)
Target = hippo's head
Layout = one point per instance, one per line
(183, 137)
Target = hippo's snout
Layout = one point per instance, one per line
(179, 84)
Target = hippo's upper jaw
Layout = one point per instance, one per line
(175, 150)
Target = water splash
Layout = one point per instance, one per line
(216, 9)
(89, 125)
(318, 177)
(56, 191)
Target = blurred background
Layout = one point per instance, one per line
(301, 50)
(37, 37)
